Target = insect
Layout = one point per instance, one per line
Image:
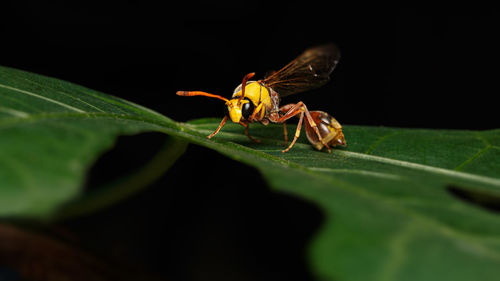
(259, 101)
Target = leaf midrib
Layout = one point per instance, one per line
(403, 164)
(388, 203)
(399, 208)
(119, 103)
(165, 122)
(5, 122)
(284, 163)
(41, 97)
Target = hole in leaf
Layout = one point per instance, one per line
(128, 154)
(208, 218)
(485, 200)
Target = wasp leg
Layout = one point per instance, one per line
(218, 128)
(297, 132)
(290, 110)
(247, 134)
(285, 133)
(287, 107)
(257, 110)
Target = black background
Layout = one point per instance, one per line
(412, 66)
(423, 66)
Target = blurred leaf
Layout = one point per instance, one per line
(31, 256)
(399, 204)
(52, 131)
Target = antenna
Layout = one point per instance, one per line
(244, 84)
(199, 93)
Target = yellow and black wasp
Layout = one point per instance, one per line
(259, 101)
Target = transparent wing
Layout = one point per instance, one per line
(310, 70)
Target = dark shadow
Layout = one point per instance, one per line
(128, 154)
(208, 218)
(487, 201)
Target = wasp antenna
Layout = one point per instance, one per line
(244, 83)
(199, 93)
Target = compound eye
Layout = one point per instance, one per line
(247, 109)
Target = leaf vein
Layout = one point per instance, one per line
(41, 97)
(17, 113)
(472, 158)
(379, 140)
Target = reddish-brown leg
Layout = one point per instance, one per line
(313, 125)
(328, 147)
(255, 112)
(285, 134)
(297, 132)
(285, 108)
(294, 109)
(218, 128)
(247, 134)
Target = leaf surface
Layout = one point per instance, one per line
(52, 131)
(390, 213)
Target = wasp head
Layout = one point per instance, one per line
(239, 109)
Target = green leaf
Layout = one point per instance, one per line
(399, 204)
(52, 131)
(389, 212)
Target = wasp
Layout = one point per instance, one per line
(259, 101)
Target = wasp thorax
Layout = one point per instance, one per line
(329, 129)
